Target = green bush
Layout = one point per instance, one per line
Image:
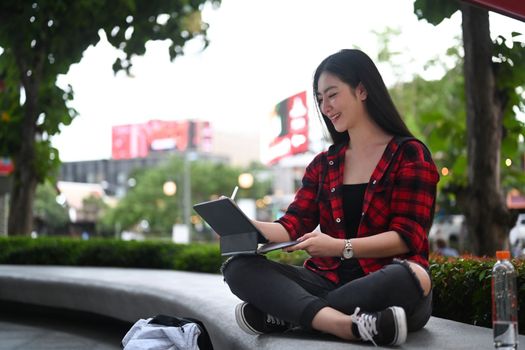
(203, 258)
(106, 252)
(462, 289)
(155, 255)
(21, 250)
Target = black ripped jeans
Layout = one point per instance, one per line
(296, 294)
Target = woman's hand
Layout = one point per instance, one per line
(318, 244)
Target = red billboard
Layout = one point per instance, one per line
(137, 140)
(6, 166)
(287, 129)
(129, 141)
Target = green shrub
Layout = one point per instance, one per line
(204, 258)
(155, 255)
(48, 252)
(462, 289)
(107, 252)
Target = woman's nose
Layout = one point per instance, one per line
(325, 106)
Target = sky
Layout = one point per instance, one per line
(260, 53)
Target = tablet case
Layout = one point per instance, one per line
(237, 233)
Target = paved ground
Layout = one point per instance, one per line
(40, 328)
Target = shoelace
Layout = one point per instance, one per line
(274, 320)
(366, 324)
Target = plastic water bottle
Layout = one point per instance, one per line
(504, 303)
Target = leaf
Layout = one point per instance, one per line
(435, 11)
(482, 275)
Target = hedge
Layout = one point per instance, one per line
(105, 252)
(462, 289)
(462, 286)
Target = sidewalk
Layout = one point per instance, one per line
(130, 294)
(37, 328)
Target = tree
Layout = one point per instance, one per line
(491, 73)
(41, 39)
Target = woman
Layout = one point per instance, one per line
(362, 214)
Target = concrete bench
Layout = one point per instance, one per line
(130, 294)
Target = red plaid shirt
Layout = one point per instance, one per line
(400, 199)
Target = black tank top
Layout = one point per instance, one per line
(353, 197)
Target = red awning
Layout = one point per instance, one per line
(511, 8)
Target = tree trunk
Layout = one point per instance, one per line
(20, 221)
(488, 219)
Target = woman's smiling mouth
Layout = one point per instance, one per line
(334, 117)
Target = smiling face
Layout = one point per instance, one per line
(339, 102)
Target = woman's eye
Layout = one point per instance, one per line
(332, 95)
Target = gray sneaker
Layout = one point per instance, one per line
(387, 327)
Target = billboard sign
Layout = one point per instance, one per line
(286, 131)
(137, 140)
(6, 166)
(129, 141)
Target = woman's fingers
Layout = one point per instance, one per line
(305, 242)
(299, 246)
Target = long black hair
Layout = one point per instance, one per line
(353, 67)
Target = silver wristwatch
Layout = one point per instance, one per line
(348, 251)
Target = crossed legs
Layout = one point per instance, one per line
(301, 297)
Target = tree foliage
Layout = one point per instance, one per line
(435, 11)
(41, 39)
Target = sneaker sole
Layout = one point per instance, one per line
(241, 321)
(400, 320)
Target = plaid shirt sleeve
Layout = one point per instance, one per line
(413, 197)
(302, 215)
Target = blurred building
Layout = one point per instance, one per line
(112, 174)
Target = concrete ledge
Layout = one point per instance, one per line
(130, 294)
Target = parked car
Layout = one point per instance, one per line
(450, 228)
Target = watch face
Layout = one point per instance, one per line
(348, 252)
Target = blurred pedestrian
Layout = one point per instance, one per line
(444, 250)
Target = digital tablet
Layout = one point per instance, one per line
(238, 235)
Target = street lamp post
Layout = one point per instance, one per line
(187, 191)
